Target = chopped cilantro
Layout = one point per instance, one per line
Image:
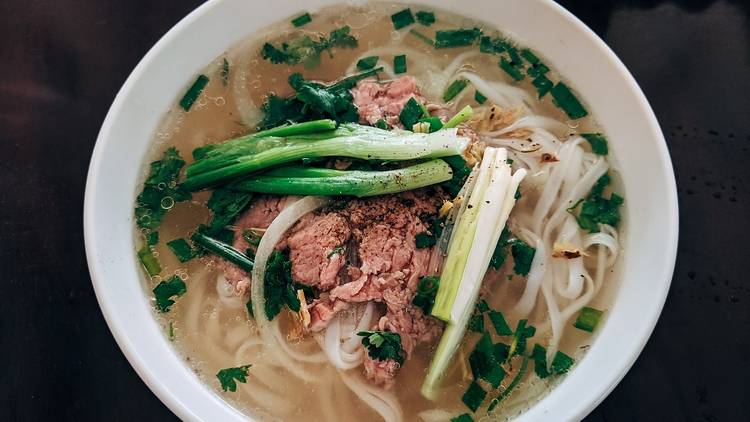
(307, 51)
(279, 288)
(561, 362)
(456, 37)
(152, 238)
(513, 384)
(476, 323)
(399, 64)
(474, 396)
(181, 249)
(482, 306)
(383, 345)
(483, 363)
(588, 319)
(498, 256)
(301, 20)
(598, 143)
(193, 92)
(411, 113)
(422, 37)
(498, 321)
(224, 72)
(149, 261)
(426, 291)
(567, 101)
(367, 63)
(160, 190)
(228, 377)
(454, 89)
(425, 18)
(598, 210)
(402, 19)
(510, 69)
(424, 240)
(542, 84)
(460, 172)
(523, 254)
(478, 97)
(502, 351)
(166, 290)
(462, 418)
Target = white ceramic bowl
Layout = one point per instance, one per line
(572, 49)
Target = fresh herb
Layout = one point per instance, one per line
(476, 323)
(149, 261)
(166, 290)
(499, 255)
(460, 172)
(381, 124)
(228, 377)
(520, 335)
(588, 319)
(435, 123)
(402, 19)
(529, 56)
(193, 92)
(422, 37)
(160, 191)
(456, 37)
(249, 307)
(543, 85)
(338, 250)
(502, 351)
(222, 249)
(482, 306)
(462, 418)
(399, 64)
(225, 205)
(367, 63)
(411, 113)
(307, 51)
(511, 70)
(598, 210)
(181, 249)
(483, 363)
(279, 286)
(598, 143)
(425, 18)
(536, 70)
(474, 396)
(454, 89)
(498, 321)
(301, 20)
(513, 384)
(523, 254)
(561, 362)
(224, 72)
(426, 291)
(567, 101)
(492, 46)
(424, 240)
(383, 345)
(478, 97)
(152, 238)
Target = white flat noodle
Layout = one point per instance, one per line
(382, 401)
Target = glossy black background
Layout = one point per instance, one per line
(62, 62)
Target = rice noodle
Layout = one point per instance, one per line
(382, 401)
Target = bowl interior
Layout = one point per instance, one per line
(574, 51)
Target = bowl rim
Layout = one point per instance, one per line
(183, 409)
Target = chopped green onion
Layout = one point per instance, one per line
(424, 240)
(588, 319)
(483, 363)
(598, 143)
(482, 306)
(502, 351)
(537, 69)
(523, 254)
(149, 261)
(367, 63)
(498, 321)
(249, 307)
(301, 20)
(515, 58)
(170, 332)
(399, 64)
(152, 238)
(456, 37)
(474, 396)
(166, 290)
(425, 295)
(381, 124)
(193, 92)
(561, 363)
(224, 73)
(543, 85)
(490, 46)
(529, 56)
(463, 115)
(462, 418)
(510, 69)
(476, 323)
(520, 335)
(223, 250)
(513, 384)
(435, 123)
(411, 113)
(425, 18)
(567, 101)
(539, 354)
(181, 249)
(422, 37)
(402, 19)
(478, 97)
(454, 89)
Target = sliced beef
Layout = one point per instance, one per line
(322, 310)
(380, 372)
(317, 250)
(384, 100)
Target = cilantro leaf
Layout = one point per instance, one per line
(426, 291)
(424, 240)
(460, 172)
(225, 205)
(498, 256)
(598, 210)
(561, 363)
(367, 63)
(474, 396)
(523, 254)
(166, 290)
(228, 377)
(383, 345)
(160, 190)
(483, 363)
(306, 50)
(411, 113)
(279, 287)
(476, 323)
(498, 321)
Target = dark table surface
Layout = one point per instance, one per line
(62, 62)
